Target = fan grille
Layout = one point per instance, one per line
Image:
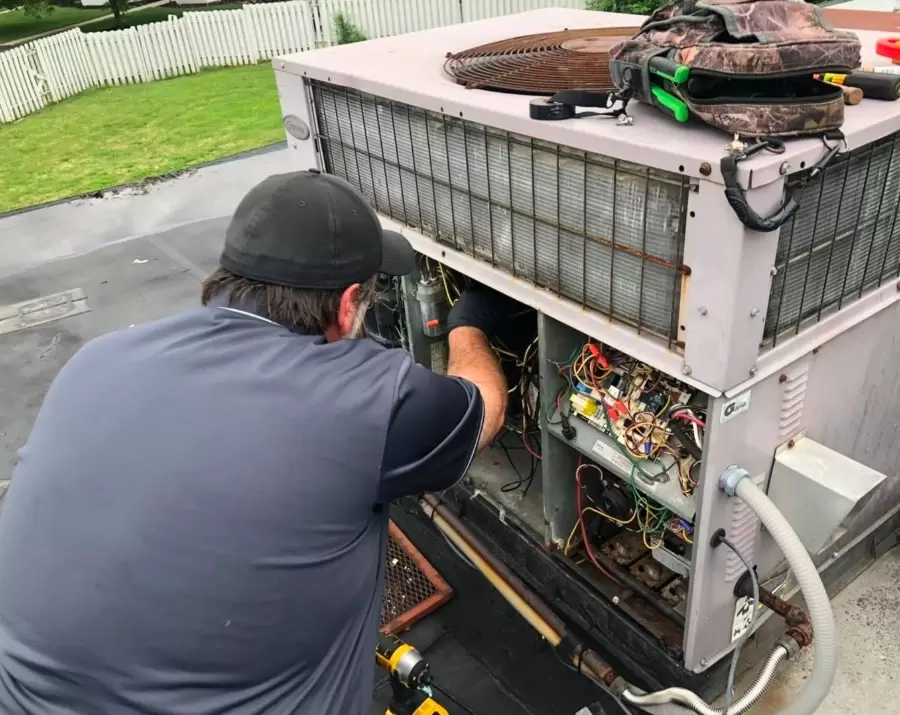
(541, 64)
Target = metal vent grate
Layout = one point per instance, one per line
(412, 588)
(842, 242)
(604, 233)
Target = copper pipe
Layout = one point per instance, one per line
(542, 618)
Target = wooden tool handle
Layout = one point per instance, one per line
(852, 95)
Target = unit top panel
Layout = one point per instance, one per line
(410, 68)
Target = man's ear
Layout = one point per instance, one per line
(348, 309)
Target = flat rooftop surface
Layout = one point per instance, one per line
(481, 651)
(409, 69)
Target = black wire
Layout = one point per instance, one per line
(460, 703)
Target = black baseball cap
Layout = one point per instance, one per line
(306, 229)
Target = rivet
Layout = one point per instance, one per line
(753, 371)
(784, 168)
(702, 310)
(703, 662)
(773, 271)
(791, 444)
(782, 378)
(705, 169)
(686, 370)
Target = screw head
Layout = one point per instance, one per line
(754, 312)
(686, 370)
(791, 444)
(773, 271)
(784, 168)
(782, 378)
(705, 169)
(753, 371)
(615, 600)
(702, 310)
(703, 662)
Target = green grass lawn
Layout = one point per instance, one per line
(111, 136)
(16, 24)
(152, 14)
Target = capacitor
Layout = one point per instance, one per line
(433, 306)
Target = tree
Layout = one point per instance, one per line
(32, 8)
(345, 31)
(634, 7)
(118, 7)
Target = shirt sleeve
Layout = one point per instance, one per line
(433, 434)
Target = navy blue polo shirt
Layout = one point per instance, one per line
(194, 526)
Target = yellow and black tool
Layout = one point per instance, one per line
(410, 678)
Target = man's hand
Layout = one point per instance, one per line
(482, 308)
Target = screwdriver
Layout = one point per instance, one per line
(874, 85)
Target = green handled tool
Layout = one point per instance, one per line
(670, 103)
(665, 68)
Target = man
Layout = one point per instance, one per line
(196, 524)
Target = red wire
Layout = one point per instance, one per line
(528, 447)
(584, 535)
(689, 418)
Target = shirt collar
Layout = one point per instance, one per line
(247, 308)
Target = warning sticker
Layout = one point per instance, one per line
(612, 455)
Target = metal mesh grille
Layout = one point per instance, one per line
(412, 588)
(598, 231)
(843, 241)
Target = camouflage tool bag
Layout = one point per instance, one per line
(744, 66)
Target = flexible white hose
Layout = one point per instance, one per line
(818, 604)
(678, 701)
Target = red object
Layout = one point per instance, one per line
(620, 406)
(432, 323)
(598, 356)
(889, 47)
(613, 415)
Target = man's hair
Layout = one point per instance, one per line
(309, 310)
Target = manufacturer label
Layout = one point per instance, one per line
(743, 615)
(735, 406)
(612, 455)
(296, 127)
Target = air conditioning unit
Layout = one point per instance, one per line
(774, 351)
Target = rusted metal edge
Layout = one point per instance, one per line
(443, 592)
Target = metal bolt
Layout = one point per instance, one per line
(782, 378)
(784, 168)
(615, 600)
(686, 370)
(703, 662)
(753, 371)
(754, 312)
(702, 310)
(835, 554)
(773, 271)
(791, 444)
(705, 169)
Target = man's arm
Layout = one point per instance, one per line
(439, 422)
(472, 359)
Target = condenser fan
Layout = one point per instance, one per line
(540, 64)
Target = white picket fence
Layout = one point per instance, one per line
(62, 65)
